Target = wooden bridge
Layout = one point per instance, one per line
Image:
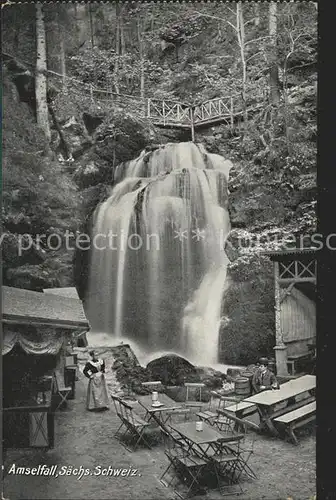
(162, 113)
(175, 114)
(167, 112)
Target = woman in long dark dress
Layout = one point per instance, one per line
(97, 397)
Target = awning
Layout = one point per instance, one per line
(48, 342)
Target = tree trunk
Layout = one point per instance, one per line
(256, 15)
(41, 75)
(62, 52)
(122, 35)
(117, 49)
(91, 26)
(241, 42)
(76, 30)
(273, 71)
(142, 66)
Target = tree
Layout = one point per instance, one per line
(62, 58)
(240, 29)
(117, 49)
(273, 71)
(41, 69)
(141, 54)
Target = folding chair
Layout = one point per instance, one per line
(195, 403)
(210, 415)
(60, 389)
(225, 463)
(187, 466)
(223, 423)
(244, 452)
(117, 402)
(134, 425)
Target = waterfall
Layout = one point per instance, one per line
(158, 265)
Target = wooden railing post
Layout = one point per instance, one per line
(148, 107)
(192, 111)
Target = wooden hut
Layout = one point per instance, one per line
(295, 308)
(37, 332)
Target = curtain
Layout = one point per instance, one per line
(33, 342)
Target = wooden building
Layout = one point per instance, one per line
(37, 332)
(295, 307)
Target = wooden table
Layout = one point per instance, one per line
(202, 442)
(266, 401)
(159, 413)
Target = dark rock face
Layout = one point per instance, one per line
(76, 136)
(172, 370)
(128, 371)
(31, 277)
(14, 257)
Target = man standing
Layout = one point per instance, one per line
(263, 379)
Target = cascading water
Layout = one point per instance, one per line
(158, 265)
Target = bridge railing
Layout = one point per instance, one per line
(169, 112)
(213, 108)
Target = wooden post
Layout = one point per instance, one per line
(231, 112)
(148, 108)
(163, 113)
(192, 109)
(280, 347)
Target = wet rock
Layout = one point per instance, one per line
(76, 136)
(121, 137)
(92, 171)
(172, 370)
(92, 121)
(213, 379)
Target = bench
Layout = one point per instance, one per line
(61, 389)
(292, 360)
(240, 411)
(297, 418)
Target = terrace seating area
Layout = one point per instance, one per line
(212, 448)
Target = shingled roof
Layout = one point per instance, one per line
(70, 292)
(26, 306)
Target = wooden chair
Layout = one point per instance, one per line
(60, 389)
(134, 425)
(187, 466)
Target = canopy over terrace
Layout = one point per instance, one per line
(36, 326)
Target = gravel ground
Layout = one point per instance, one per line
(82, 438)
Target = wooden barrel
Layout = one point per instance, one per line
(243, 386)
(272, 365)
(249, 375)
